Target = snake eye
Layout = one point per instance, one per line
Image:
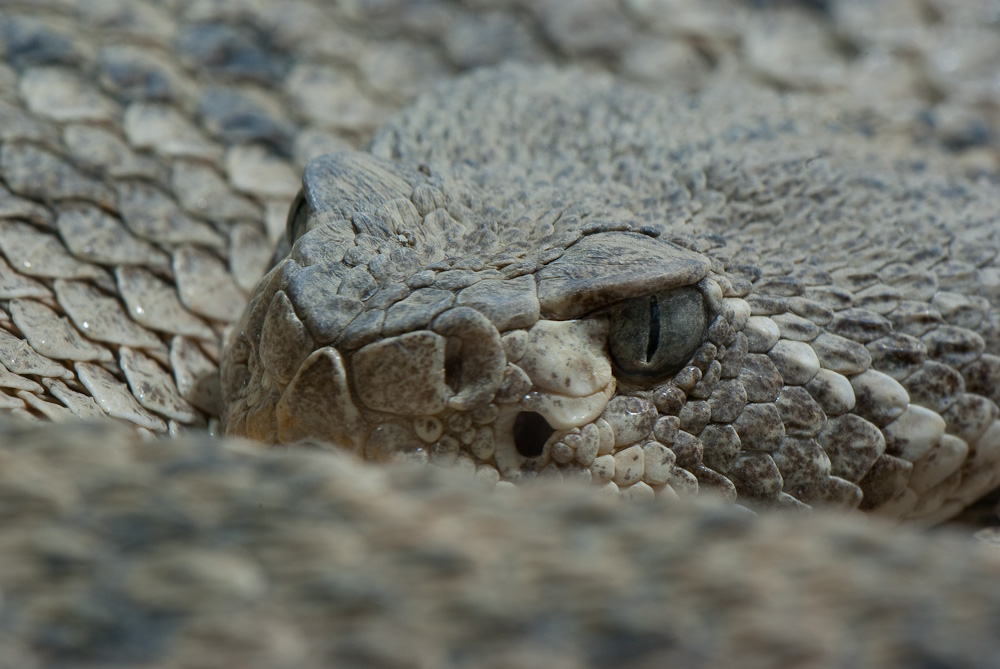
(298, 216)
(654, 336)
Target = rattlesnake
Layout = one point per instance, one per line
(498, 223)
(566, 277)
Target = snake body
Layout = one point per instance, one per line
(541, 273)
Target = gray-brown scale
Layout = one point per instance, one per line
(572, 278)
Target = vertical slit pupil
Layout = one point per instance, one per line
(654, 328)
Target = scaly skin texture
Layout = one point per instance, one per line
(188, 554)
(478, 295)
(148, 155)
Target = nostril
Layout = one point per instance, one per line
(531, 431)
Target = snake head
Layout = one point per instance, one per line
(401, 325)
(568, 328)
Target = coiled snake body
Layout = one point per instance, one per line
(530, 274)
